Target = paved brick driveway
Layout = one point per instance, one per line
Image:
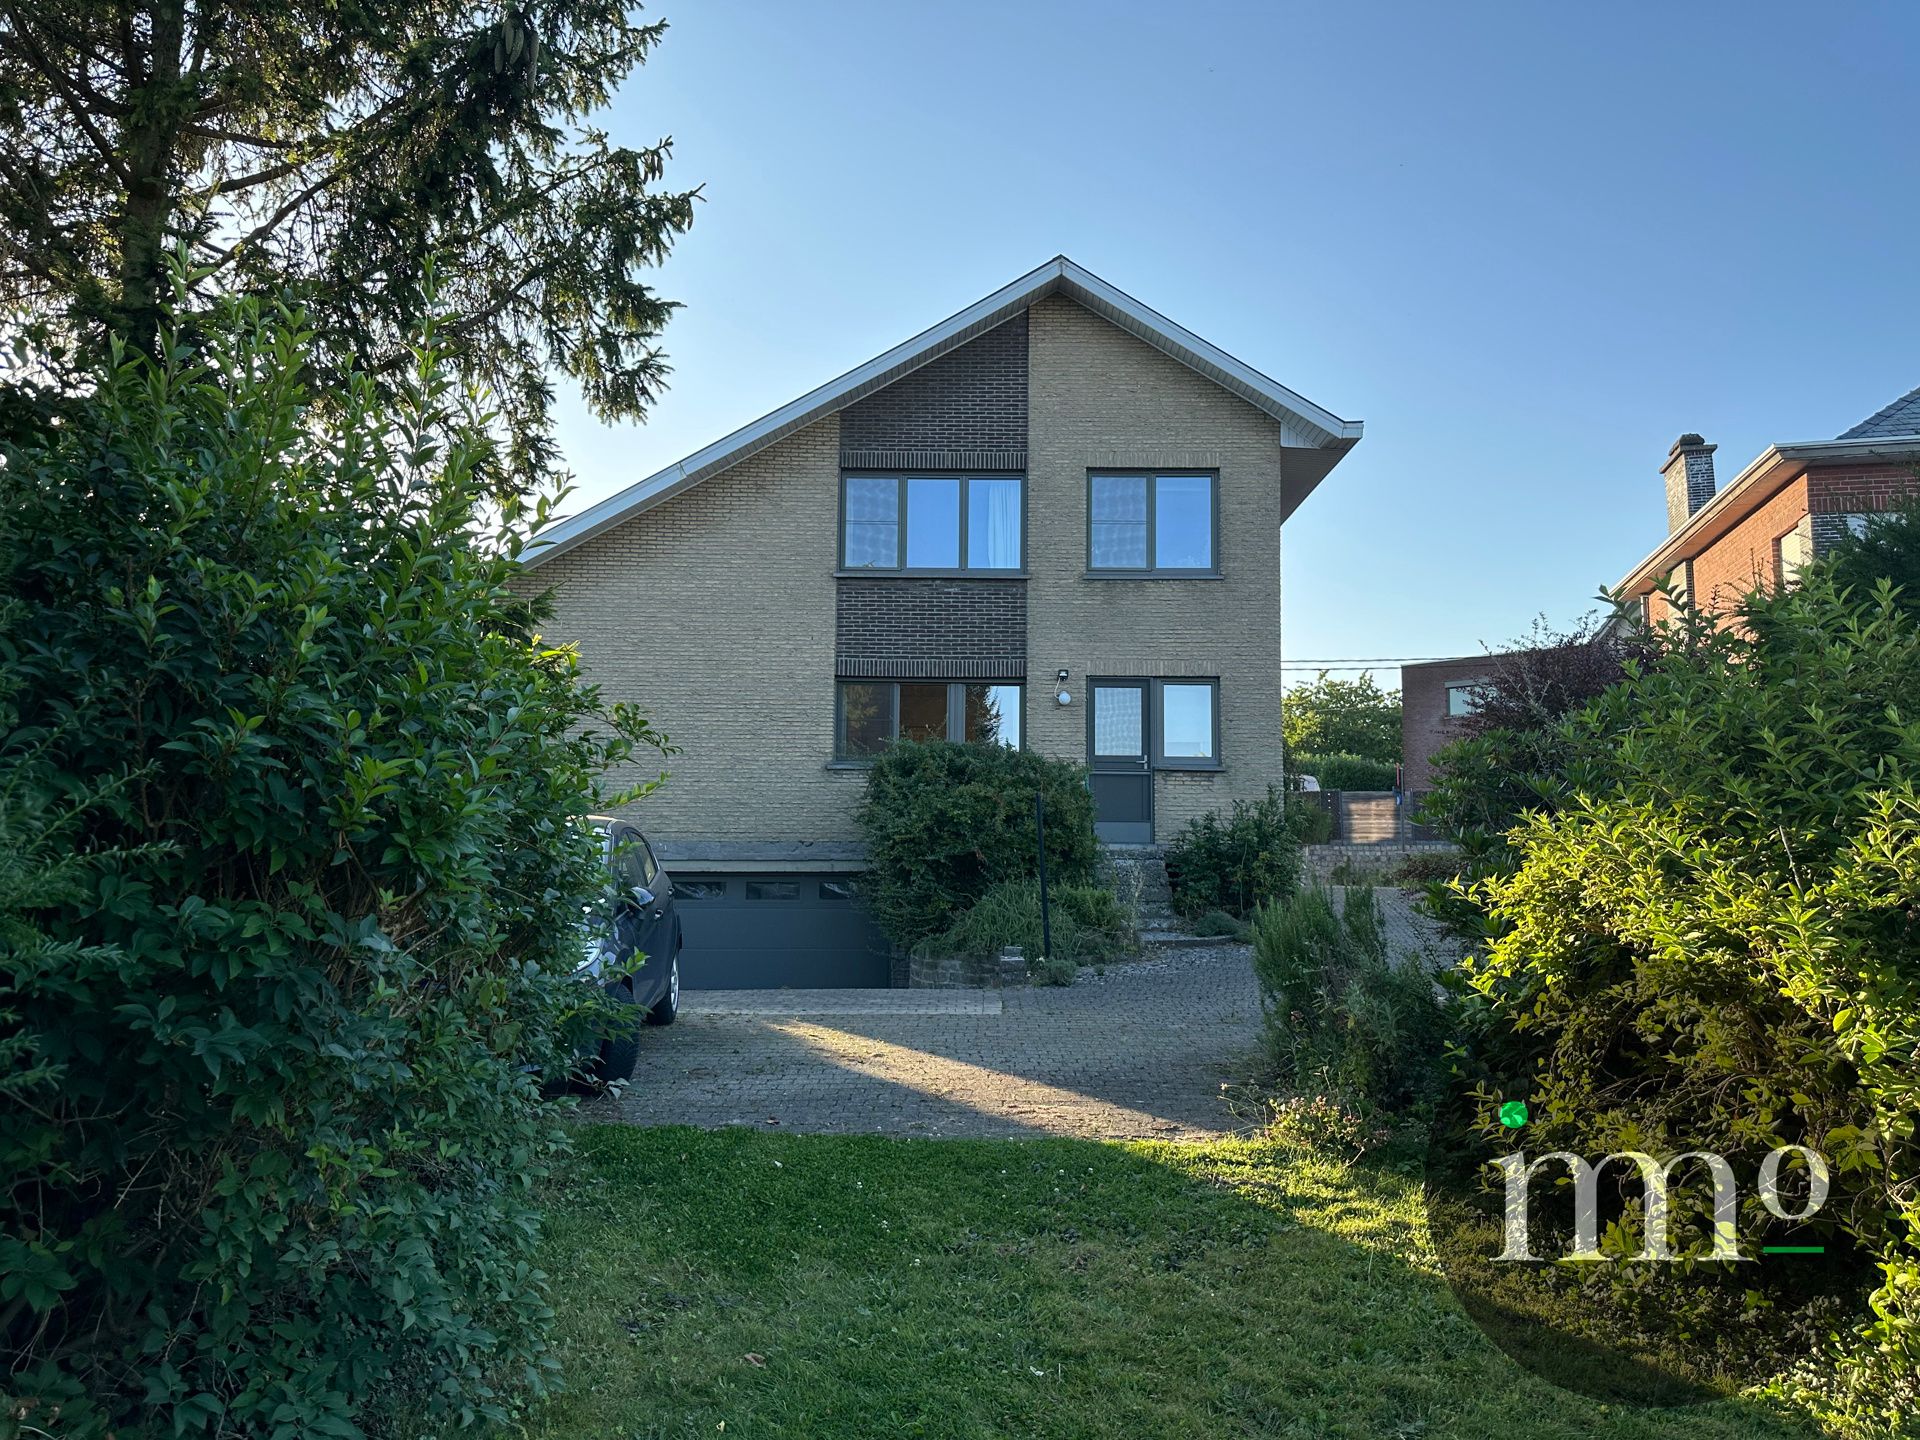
(1141, 1051)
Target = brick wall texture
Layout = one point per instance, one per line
(912, 626)
(1747, 556)
(1424, 723)
(720, 612)
(972, 400)
(1101, 398)
(716, 612)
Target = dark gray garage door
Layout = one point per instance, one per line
(759, 932)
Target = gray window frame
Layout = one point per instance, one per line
(1156, 721)
(956, 708)
(900, 479)
(1152, 571)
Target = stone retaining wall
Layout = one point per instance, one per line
(1377, 857)
(969, 972)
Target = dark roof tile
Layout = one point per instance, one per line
(1902, 417)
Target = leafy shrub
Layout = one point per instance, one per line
(289, 889)
(1887, 549)
(1236, 863)
(945, 822)
(1341, 1017)
(1219, 923)
(1089, 924)
(1345, 771)
(1709, 943)
(1429, 867)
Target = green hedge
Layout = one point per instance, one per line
(1342, 771)
(1710, 939)
(289, 895)
(944, 822)
(1236, 862)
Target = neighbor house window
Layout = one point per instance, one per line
(1796, 552)
(1150, 523)
(1464, 698)
(931, 522)
(875, 713)
(1186, 724)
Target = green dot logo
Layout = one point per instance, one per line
(1513, 1114)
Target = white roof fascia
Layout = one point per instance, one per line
(1778, 462)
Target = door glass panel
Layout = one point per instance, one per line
(873, 522)
(993, 715)
(1116, 720)
(923, 711)
(993, 524)
(1186, 722)
(866, 718)
(1183, 523)
(773, 890)
(933, 524)
(1118, 522)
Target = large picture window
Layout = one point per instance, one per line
(931, 522)
(1149, 524)
(872, 714)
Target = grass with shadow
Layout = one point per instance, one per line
(745, 1284)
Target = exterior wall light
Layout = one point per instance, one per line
(1064, 696)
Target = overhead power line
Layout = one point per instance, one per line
(1377, 659)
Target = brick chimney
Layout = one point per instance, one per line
(1689, 472)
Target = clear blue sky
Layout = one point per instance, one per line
(1528, 244)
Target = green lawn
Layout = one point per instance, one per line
(779, 1285)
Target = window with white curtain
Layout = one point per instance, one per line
(932, 522)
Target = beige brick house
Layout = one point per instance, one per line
(1052, 520)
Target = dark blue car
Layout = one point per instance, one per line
(631, 947)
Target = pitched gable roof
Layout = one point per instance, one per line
(1314, 439)
(1902, 417)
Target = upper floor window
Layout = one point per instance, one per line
(930, 522)
(1794, 551)
(1464, 698)
(1149, 523)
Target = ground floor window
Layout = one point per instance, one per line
(1187, 724)
(872, 714)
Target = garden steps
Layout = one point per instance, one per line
(1179, 940)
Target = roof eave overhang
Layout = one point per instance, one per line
(1773, 468)
(1313, 439)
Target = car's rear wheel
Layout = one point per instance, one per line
(667, 1010)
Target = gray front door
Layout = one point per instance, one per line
(1117, 754)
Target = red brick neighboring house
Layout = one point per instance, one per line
(1433, 697)
(1783, 510)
